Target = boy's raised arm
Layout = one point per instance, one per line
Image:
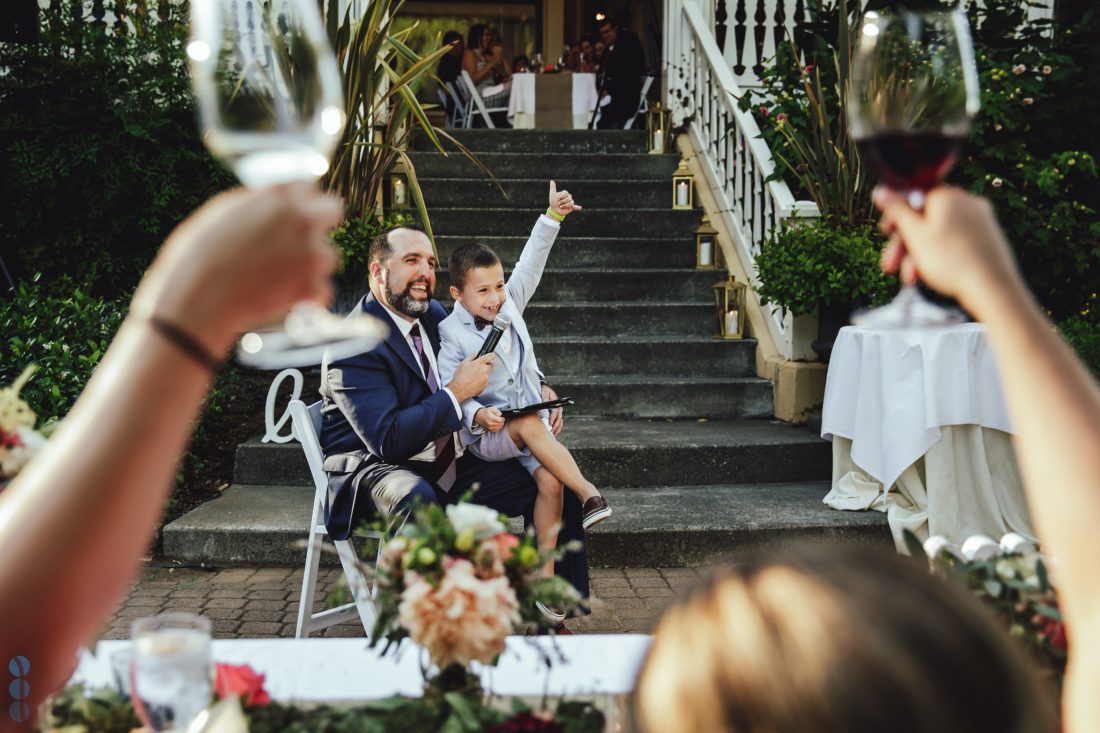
(532, 261)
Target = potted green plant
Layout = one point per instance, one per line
(827, 266)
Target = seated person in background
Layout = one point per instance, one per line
(521, 64)
(480, 297)
(485, 62)
(837, 639)
(450, 65)
(502, 73)
(621, 85)
(599, 54)
(76, 521)
(581, 59)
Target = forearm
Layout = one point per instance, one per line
(1055, 409)
(97, 493)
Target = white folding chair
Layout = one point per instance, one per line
(476, 100)
(643, 102)
(460, 114)
(307, 423)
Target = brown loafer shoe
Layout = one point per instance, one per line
(594, 511)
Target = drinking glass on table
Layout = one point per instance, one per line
(913, 92)
(272, 109)
(172, 678)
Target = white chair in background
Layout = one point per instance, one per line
(307, 422)
(643, 105)
(477, 101)
(459, 115)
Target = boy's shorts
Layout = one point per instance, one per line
(499, 446)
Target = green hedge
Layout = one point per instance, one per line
(100, 154)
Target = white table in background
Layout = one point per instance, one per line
(922, 413)
(522, 101)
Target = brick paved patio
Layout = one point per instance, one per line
(254, 602)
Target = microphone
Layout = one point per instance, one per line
(500, 325)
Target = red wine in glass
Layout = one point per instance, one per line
(910, 161)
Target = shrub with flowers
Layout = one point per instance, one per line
(19, 441)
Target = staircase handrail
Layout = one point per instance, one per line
(702, 93)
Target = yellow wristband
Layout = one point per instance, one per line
(555, 215)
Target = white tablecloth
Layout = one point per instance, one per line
(521, 103)
(341, 670)
(922, 413)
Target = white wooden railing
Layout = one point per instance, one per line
(700, 88)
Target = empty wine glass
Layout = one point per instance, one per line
(172, 677)
(271, 105)
(914, 91)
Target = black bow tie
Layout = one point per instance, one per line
(480, 323)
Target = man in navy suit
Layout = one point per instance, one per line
(388, 426)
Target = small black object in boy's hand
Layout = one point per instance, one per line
(517, 411)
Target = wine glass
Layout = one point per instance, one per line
(172, 677)
(271, 108)
(913, 93)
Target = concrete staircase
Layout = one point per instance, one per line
(673, 423)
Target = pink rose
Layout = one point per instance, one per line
(764, 110)
(506, 544)
(781, 118)
(240, 680)
(809, 69)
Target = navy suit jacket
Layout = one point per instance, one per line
(377, 413)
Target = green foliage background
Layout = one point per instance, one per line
(1031, 149)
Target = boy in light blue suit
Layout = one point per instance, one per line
(481, 295)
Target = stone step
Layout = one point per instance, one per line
(542, 141)
(642, 223)
(639, 285)
(651, 526)
(587, 252)
(627, 453)
(667, 397)
(620, 318)
(592, 195)
(657, 356)
(570, 166)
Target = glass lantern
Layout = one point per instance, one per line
(729, 307)
(706, 246)
(656, 127)
(683, 193)
(399, 186)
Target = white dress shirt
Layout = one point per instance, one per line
(405, 329)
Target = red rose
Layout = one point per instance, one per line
(240, 680)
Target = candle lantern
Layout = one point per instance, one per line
(706, 246)
(683, 195)
(656, 126)
(729, 306)
(399, 186)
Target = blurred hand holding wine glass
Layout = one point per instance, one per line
(271, 106)
(913, 93)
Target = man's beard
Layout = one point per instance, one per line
(404, 302)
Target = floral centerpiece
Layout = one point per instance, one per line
(1015, 584)
(453, 581)
(19, 441)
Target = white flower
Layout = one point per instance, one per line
(1005, 569)
(482, 520)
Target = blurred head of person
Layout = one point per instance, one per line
(835, 640)
(454, 40)
(608, 32)
(521, 64)
(478, 38)
(599, 48)
(586, 47)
